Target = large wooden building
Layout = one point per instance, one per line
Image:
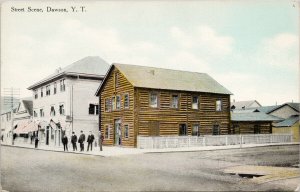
(147, 101)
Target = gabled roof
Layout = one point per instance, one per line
(28, 105)
(270, 109)
(254, 116)
(89, 66)
(243, 104)
(288, 122)
(168, 79)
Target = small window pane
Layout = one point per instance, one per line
(195, 103)
(174, 103)
(153, 100)
(218, 105)
(126, 101)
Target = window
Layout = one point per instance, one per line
(42, 113)
(118, 102)
(256, 129)
(182, 130)
(42, 93)
(216, 130)
(153, 100)
(93, 109)
(195, 130)
(34, 113)
(107, 132)
(62, 85)
(113, 103)
(126, 101)
(195, 102)
(61, 109)
(219, 105)
(108, 104)
(48, 90)
(36, 95)
(54, 88)
(116, 79)
(52, 111)
(126, 131)
(175, 101)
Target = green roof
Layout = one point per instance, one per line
(168, 79)
(253, 116)
(288, 122)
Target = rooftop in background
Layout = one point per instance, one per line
(254, 116)
(269, 109)
(245, 104)
(88, 66)
(288, 122)
(168, 79)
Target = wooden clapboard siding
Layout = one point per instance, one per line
(169, 119)
(126, 115)
(248, 127)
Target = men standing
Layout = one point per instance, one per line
(81, 140)
(90, 140)
(65, 142)
(73, 141)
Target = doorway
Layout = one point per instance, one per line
(118, 132)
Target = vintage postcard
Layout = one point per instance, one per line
(150, 95)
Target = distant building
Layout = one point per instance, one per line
(284, 111)
(147, 101)
(289, 125)
(252, 122)
(22, 115)
(64, 101)
(244, 104)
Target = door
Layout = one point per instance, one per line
(47, 135)
(118, 132)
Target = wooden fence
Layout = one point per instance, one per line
(209, 140)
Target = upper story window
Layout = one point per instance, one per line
(153, 100)
(35, 113)
(126, 101)
(48, 90)
(175, 101)
(62, 85)
(42, 92)
(118, 102)
(93, 109)
(36, 95)
(113, 103)
(107, 104)
(116, 79)
(54, 88)
(52, 111)
(195, 102)
(219, 105)
(42, 113)
(61, 109)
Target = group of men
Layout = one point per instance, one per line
(81, 140)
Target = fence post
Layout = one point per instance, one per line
(226, 140)
(189, 144)
(167, 142)
(241, 141)
(204, 141)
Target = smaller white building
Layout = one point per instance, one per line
(65, 101)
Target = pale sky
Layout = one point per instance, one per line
(250, 47)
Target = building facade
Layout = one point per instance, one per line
(65, 102)
(146, 101)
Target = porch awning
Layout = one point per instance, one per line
(21, 126)
(32, 126)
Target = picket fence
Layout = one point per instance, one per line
(160, 142)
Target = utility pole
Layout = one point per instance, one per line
(11, 98)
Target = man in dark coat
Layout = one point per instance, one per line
(81, 140)
(90, 141)
(36, 141)
(65, 142)
(74, 141)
